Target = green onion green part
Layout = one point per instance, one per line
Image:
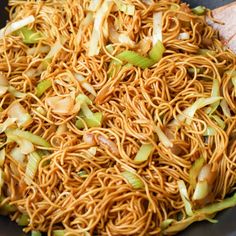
(143, 153)
(133, 180)
(23, 220)
(42, 87)
(135, 59)
(199, 10)
(29, 36)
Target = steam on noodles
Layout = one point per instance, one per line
(117, 117)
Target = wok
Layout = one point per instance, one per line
(226, 225)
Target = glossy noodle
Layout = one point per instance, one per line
(101, 133)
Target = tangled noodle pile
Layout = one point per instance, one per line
(96, 142)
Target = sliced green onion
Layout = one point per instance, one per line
(192, 70)
(42, 87)
(35, 139)
(143, 153)
(18, 112)
(32, 166)
(58, 232)
(128, 9)
(195, 170)
(2, 156)
(199, 10)
(61, 129)
(41, 111)
(83, 99)
(29, 36)
(45, 64)
(133, 180)
(6, 208)
(82, 174)
(16, 26)
(110, 48)
(157, 51)
(219, 121)
(114, 67)
(36, 233)
(94, 121)
(166, 223)
(23, 220)
(201, 190)
(210, 131)
(185, 197)
(90, 118)
(135, 59)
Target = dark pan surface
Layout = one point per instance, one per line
(226, 225)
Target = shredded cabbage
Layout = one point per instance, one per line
(100, 16)
(225, 108)
(88, 87)
(18, 155)
(94, 4)
(3, 84)
(184, 36)
(185, 197)
(201, 190)
(195, 170)
(157, 27)
(7, 123)
(16, 26)
(2, 156)
(18, 112)
(190, 111)
(163, 138)
(128, 9)
(32, 166)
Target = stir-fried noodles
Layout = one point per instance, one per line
(117, 117)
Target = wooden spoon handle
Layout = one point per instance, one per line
(227, 15)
